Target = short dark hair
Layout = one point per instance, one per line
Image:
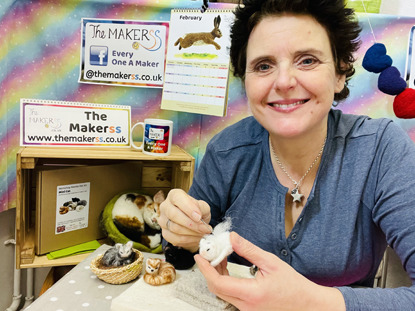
(340, 23)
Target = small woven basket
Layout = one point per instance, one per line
(118, 275)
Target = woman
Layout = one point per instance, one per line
(314, 195)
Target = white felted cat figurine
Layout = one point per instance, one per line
(216, 246)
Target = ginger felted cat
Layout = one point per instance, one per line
(135, 215)
(159, 272)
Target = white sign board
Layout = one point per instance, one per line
(56, 123)
(121, 52)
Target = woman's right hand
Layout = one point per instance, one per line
(181, 219)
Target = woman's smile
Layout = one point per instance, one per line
(286, 105)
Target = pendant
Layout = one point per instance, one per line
(297, 196)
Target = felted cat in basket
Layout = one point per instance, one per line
(135, 215)
(119, 255)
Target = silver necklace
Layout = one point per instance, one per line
(295, 193)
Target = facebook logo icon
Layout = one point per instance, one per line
(98, 55)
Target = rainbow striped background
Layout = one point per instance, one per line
(40, 58)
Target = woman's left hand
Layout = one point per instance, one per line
(276, 286)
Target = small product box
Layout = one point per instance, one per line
(69, 201)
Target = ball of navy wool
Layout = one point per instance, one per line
(390, 81)
(375, 59)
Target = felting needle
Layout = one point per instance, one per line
(201, 219)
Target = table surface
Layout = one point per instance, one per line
(80, 289)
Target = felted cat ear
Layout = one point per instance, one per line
(390, 81)
(159, 197)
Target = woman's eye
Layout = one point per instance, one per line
(308, 62)
(262, 67)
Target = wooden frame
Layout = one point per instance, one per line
(167, 172)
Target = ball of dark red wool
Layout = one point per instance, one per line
(404, 104)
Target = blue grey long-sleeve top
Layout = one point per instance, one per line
(363, 198)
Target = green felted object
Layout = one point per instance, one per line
(365, 6)
(82, 248)
(113, 232)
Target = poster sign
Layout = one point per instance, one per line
(57, 123)
(123, 52)
(72, 207)
(410, 60)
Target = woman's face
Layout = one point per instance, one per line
(290, 76)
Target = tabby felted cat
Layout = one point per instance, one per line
(159, 272)
(119, 255)
(135, 215)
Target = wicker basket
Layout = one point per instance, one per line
(118, 275)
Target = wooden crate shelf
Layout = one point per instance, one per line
(167, 172)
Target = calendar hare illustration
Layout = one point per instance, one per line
(201, 38)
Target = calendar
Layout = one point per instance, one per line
(197, 63)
